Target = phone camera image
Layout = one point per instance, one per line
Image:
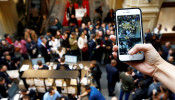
(129, 32)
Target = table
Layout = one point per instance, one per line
(59, 74)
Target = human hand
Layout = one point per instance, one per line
(98, 46)
(9, 85)
(152, 58)
(79, 97)
(75, 42)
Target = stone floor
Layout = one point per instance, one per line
(103, 81)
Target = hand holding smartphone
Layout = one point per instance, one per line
(129, 32)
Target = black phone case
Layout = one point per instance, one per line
(117, 33)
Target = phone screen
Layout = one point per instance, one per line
(129, 32)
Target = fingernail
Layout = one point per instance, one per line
(130, 51)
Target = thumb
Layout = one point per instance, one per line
(139, 47)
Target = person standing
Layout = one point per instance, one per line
(158, 31)
(65, 43)
(127, 83)
(92, 92)
(148, 36)
(30, 34)
(70, 10)
(93, 47)
(51, 94)
(96, 73)
(73, 44)
(4, 74)
(45, 52)
(112, 76)
(31, 48)
(82, 44)
(3, 88)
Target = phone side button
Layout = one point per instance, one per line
(131, 57)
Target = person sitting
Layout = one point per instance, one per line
(41, 66)
(51, 94)
(4, 74)
(92, 92)
(3, 88)
(62, 63)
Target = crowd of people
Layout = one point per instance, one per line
(89, 42)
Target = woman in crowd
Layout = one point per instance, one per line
(21, 48)
(82, 44)
(60, 52)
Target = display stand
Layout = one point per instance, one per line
(42, 78)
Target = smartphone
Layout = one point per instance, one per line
(129, 32)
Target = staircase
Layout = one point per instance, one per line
(95, 4)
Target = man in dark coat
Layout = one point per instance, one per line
(93, 47)
(31, 48)
(45, 50)
(11, 63)
(112, 76)
(4, 74)
(96, 73)
(3, 88)
(70, 10)
(65, 43)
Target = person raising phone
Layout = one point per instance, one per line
(153, 65)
